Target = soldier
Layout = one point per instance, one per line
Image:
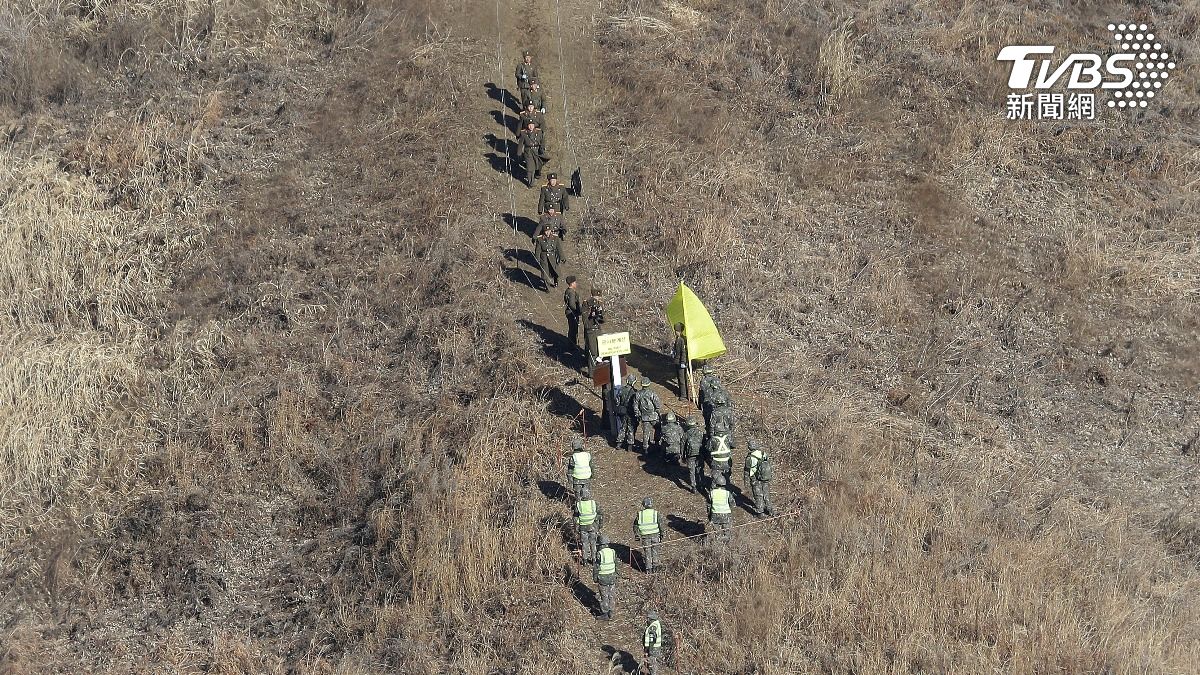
(626, 417)
(536, 96)
(549, 256)
(670, 438)
(709, 383)
(553, 195)
(605, 575)
(648, 533)
(527, 74)
(579, 467)
(692, 445)
(648, 407)
(593, 319)
(720, 452)
(531, 114)
(589, 518)
(721, 415)
(531, 145)
(720, 515)
(758, 473)
(551, 220)
(652, 641)
(679, 354)
(574, 310)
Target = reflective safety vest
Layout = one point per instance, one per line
(647, 522)
(720, 501)
(581, 465)
(720, 452)
(752, 461)
(653, 637)
(587, 511)
(608, 562)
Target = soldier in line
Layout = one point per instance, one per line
(573, 309)
(652, 642)
(593, 320)
(670, 438)
(551, 220)
(536, 96)
(648, 533)
(709, 384)
(527, 74)
(758, 473)
(579, 467)
(589, 518)
(531, 114)
(549, 257)
(531, 145)
(605, 576)
(720, 451)
(720, 515)
(692, 446)
(648, 407)
(679, 354)
(626, 417)
(553, 195)
(721, 414)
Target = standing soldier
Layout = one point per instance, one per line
(574, 310)
(670, 438)
(648, 532)
(579, 467)
(531, 114)
(551, 220)
(679, 353)
(527, 74)
(648, 406)
(720, 415)
(536, 96)
(588, 520)
(605, 575)
(553, 195)
(720, 452)
(692, 445)
(531, 145)
(549, 256)
(593, 319)
(652, 641)
(709, 384)
(758, 473)
(626, 422)
(720, 515)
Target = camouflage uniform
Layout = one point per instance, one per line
(607, 582)
(648, 406)
(589, 532)
(670, 438)
(621, 410)
(573, 309)
(760, 486)
(693, 445)
(593, 320)
(632, 420)
(720, 453)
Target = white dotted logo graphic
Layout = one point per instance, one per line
(1152, 64)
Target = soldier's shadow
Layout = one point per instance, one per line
(527, 226)
(622, 658)
(586, 596)
(507, 121)
(522, 275)
(655, 465)
(503, 96)
(555, 346)
(688, 528)
(555, 491)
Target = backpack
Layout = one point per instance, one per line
(595, 312)
(645, 405)
(762, 470)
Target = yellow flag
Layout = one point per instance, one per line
(703, 340)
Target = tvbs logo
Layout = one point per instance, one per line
(1133, 76)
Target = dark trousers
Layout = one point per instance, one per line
(573, 330)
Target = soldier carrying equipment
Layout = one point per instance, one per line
(693, 444)
(758, 473)
(531, 145)
(549, 257)
(720, 453)
(579, 467)
(648, 532)
(652, 642)
(527, 74)
(670, 438)
(589, 518)
(605, 576)
(593, 319)
(648, 406)
(553, 195)
(720, 515)
(626, 418)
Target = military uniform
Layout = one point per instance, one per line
(553, 196)
(579, 469)
(535, 96)
(589, 518)
(531, 145)
(621, 409)
(538, 119)
(720, 510)
(709, 385)
(549, 255)
(757, 472)
(720, 453)
(551, 223)
(527, 74)
(652, 642)
(632, 419)
(648, 406)
(680, 355)
(722, 417)
(593, 321)
(649, 533)
(574, 311)
(693, 445)
(605, 576)
(670, 438)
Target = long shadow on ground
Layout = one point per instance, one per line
(555, 346)
(586, 596)
(507, 121)
(526, 226)
(622, 658)
(556, 491)
(655, 465)
(504, 96)
(685, 527)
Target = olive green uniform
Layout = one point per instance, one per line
(553, 196)
(527, 74)
(539, 119)
(680, 355)
(574, 311)
(670, 438)
(551, 223)
(531, 145)
(549, 255)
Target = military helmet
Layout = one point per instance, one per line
(690, 421)
(707, 370)
(753, 444)
(645, 381)
(577, 443)
(652, 615)
(647, 503)
(585, 492)
(670, 416)
(719, 480)
(637, 384)
(603, 540)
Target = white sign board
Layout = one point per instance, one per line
(612, 344)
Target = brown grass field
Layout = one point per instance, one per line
(277, 397)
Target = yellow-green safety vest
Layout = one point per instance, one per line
(752, 461)
(721, 452)
(581, 465)
(653, 636)
(608, 562)
(647, 522)
(720, 501)
(587, 512)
